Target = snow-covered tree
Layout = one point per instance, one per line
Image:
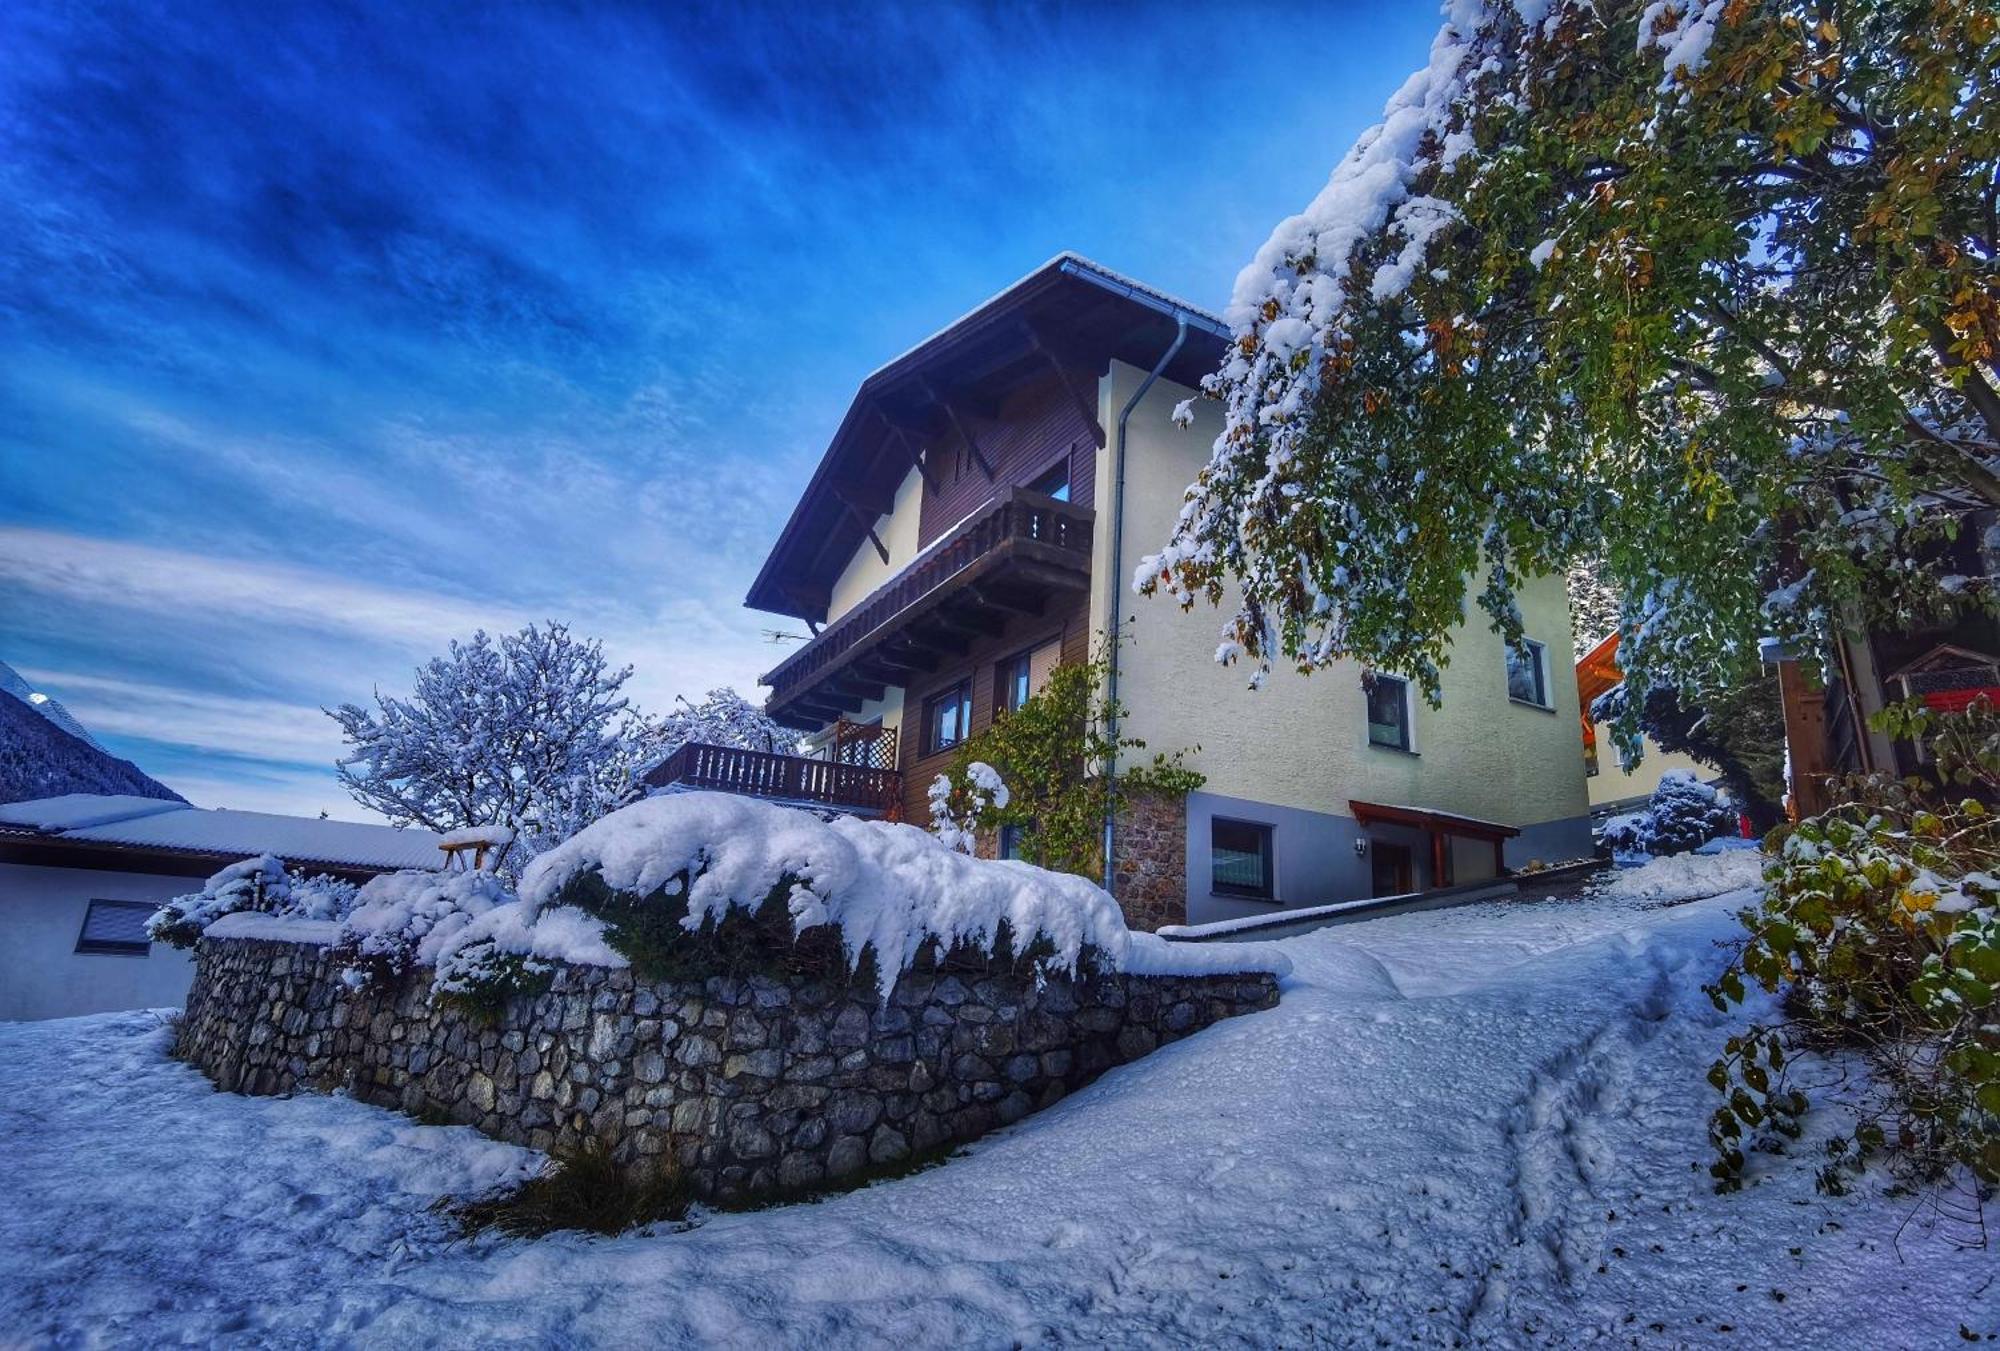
(530, 731)
(1707, 287)
(723, 718)
(1593, 603)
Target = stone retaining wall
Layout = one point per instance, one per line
(750, 1085)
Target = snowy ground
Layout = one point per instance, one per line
(1479, 1125)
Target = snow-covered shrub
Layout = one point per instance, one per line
(1881, 924)
(956, 808)
(1682, 814)
(405, 919)
(706, 883)
(259, 884)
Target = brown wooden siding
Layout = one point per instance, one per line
(1066, 618)
(1035, 427)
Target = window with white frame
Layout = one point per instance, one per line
(1528, 673)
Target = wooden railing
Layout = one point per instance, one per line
(1016, 517)
(792, 778)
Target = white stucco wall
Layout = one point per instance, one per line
(42, 975)
(1302, 742)
(898, 532)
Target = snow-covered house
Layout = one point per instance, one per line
(80, 875)
(1614, 788)
(975, 520)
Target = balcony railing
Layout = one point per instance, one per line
(865, 790)
(1021, 538)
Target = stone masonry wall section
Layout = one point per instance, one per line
(751, 1085)
(1150, 879)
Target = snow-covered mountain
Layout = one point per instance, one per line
(12, 682)
(45, 752)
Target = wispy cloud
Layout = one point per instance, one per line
(144, 579)
(327, 335)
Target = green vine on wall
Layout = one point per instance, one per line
(1051, 752)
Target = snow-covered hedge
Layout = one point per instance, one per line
(707, 881)
(260, 885)
(687, 864)
(1683, 813)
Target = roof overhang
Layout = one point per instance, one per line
(1069, 315)
(57, 851)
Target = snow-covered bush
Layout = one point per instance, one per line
(1683, 813)
(406, 919)
(259, 884)
(707, 883)
(956, 807)
(1881, 924)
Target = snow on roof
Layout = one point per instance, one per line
(72, 811)
(149, 822)
(471, 835)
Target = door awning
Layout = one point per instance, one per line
(1425, 819)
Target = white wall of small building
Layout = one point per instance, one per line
(42, 975)
(1295, 752)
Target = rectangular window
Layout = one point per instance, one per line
(1239, 855)
(947, 718)
(116, 927)
(1388, 712)
(1010, 841)
(1527, 674)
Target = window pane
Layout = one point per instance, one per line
(1388, 713)
(1240, 858)
(1524, 675)
(949, 717)
(1054, 484)
(1019, 682)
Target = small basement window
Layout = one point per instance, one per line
(1239, 854)
(116, 927)
(1388, 712)
(1528, 673)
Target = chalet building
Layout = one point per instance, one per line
(975, 520)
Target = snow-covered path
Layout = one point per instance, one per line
(1482, 1125)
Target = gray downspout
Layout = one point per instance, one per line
(1118, 586)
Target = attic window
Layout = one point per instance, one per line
(1055, 483)
(116, 928)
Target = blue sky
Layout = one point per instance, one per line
(329, 333)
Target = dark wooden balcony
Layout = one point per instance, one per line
(1009, 558)
(861, 789)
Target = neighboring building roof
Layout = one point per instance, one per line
(1069, 313)
(73, 811)
(175, 827)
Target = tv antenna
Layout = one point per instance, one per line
(780, 636)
